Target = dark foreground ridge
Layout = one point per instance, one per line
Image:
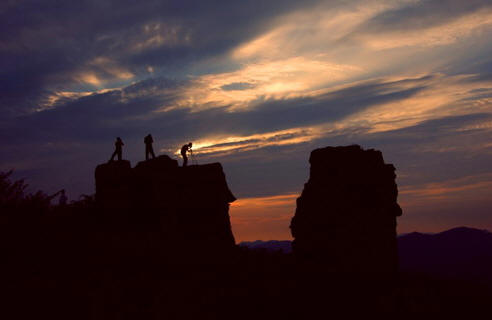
(155, 242)
(463, 252)
(346, 214)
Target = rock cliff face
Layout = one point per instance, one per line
(346, 214)
(113, 185)
(188, 207)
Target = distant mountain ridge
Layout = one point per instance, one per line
(271, 245)
(458, 252)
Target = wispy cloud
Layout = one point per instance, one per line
(280, 79)
(449, 32)
(473, 186)
(222, 146)
(440, 96)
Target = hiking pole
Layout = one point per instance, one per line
(193, 159)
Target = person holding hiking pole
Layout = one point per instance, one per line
(184, 150)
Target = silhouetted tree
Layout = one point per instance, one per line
(11, 192)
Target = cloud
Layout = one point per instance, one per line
(287, 78)
(61, 53)
(447, 190)
(223, 146)
(437, 206)
(51, 47)
(421, 15)
(237, 86)
(377, 105)
(441, 34)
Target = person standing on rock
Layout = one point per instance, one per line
(149, 150)
(184, 150)
(118, 149)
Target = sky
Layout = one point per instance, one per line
(256, 85)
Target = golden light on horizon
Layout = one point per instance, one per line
(267, 217)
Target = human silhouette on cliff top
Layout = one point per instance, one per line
(118, 149)
(149, 150)
(184, 150)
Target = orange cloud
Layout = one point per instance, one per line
(228, 144)
(469, 188)
(276, 78)
(61, 96)
(440, 96)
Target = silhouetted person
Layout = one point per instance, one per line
(118, 149)
(62, 201)
(148, 147)
(184, 150)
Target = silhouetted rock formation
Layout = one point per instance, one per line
(75, 262)
(187, 207)
(346, 215)
(113, 185)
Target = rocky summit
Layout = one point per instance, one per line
(346, 214)
(187, 207)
